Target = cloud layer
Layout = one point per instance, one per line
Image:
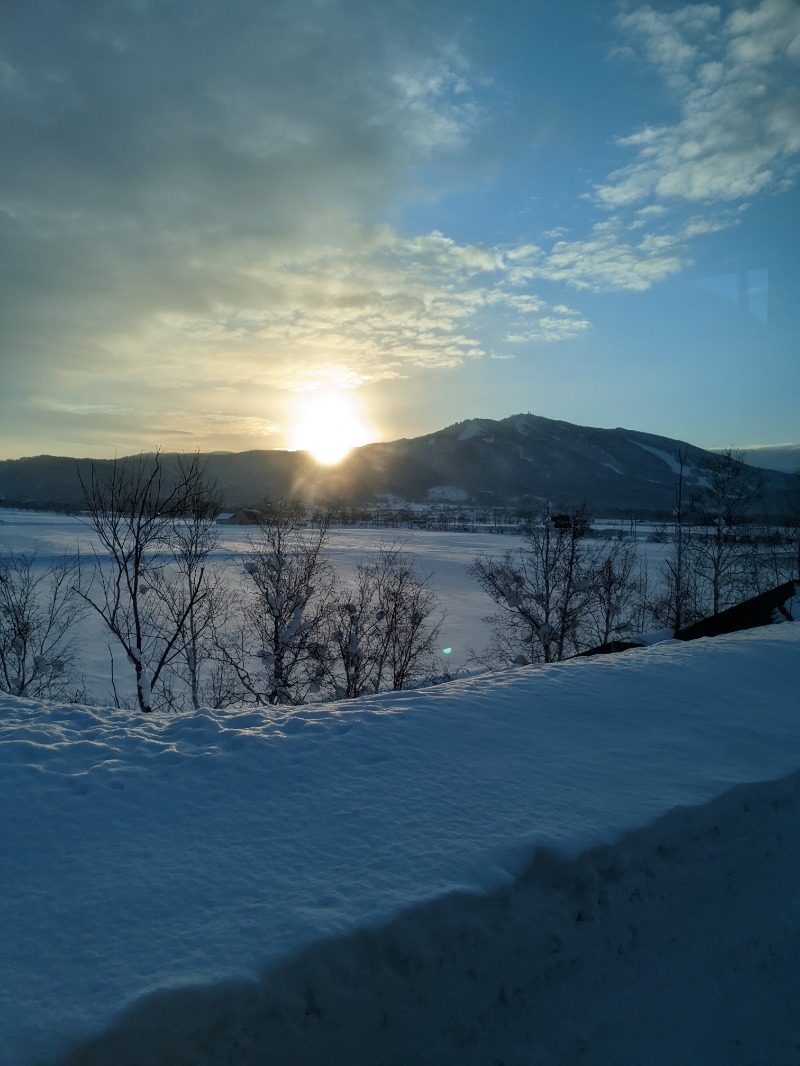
(733, 81)
(190, 199)
(199, 203)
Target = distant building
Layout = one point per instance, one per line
(242, 516)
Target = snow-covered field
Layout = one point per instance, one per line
(590, 862)
(445, 556)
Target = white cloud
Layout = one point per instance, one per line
(673, 41)
(434, 102)
(189, 206)
(191, 210)
(607, 260)
(364, 310)
(760, 35)
(191, 197)
(549, 328)
(734, 81)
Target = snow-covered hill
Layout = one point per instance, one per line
(533, 461)
(523, 459)
(466, 845)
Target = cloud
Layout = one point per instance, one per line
(140, 135)
(196, 198)
(223, 116)
(363, 310)
(190, 200)
(784, 457)
(733, 80)
(131, 427)
(608, 259)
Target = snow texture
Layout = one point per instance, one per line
(472, 429)
(670, 460)
(465, 846)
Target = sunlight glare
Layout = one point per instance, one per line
(329, 425)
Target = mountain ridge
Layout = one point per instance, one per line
(524, 460)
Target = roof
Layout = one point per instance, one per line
(762, 610)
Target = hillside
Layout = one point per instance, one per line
(525, 460)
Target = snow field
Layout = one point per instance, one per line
(445, 555)
(447, 876)
(173, 855)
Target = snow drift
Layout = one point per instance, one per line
(441, 876)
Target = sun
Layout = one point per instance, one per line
(329, 425)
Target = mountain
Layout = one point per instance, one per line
(524, 460)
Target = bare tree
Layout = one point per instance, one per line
(39, 610)
(279, 651)
(384, 630)
(405, 606)
(774, 544)
(614, 607)
(358, 641)
(792, 527)
(542, 591)
(137, 509)
(196, 598)
(785, 540)
(676, 607)
(722, 547)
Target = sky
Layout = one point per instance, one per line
(222, 223)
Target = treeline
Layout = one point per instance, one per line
(288, 629)
(46, 506)
(564, 591)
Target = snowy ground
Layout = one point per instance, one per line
(465, 846)
(445, 556)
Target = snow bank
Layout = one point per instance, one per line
(188, 856)
(679, 944)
